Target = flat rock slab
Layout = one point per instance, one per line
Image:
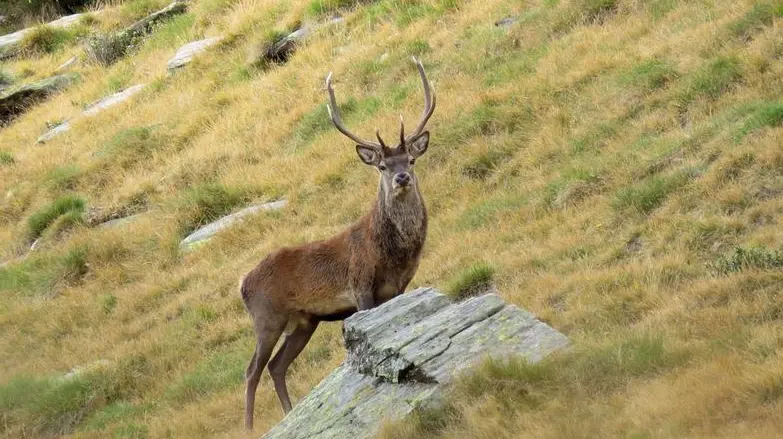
(144, 25)
(15, 100)
(10, 43)
(93, 109)
(186, 53)
(402, 353)
(200, 236)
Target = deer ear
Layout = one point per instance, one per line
(368, 155)
(419, 145)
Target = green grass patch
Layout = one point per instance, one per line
(481, 214)
(647, 195)
(405, 12)
(6, 158)
(48, 39)
(713, 79)
(63, 177)
(761, 15)
(650, 75)
(319, 8)
(220, 370)
(317, 121)
(41, 219)
(131, 145)
(487, 118)
(472, 281)
(768, 114)
(207, 202)
(55, 406)
(171, 33)
(572, 186)
(751, 258)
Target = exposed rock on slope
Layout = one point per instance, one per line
(10, 43)
(93, 109)
(186, 53)
(201, 235)
(402, 353)
(15, 100)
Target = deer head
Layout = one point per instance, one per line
(394, 163)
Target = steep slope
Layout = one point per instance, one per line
(615, 166)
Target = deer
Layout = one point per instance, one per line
(370, 262)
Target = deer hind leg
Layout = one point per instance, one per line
(268, 332)
(294, 343)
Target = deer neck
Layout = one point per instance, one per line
(403, 216)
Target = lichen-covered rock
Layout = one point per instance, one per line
(93, 109)
(186, 53)
(402, 353)
(200, 236)
(144, 25)
(15, 100)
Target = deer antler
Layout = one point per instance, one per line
(334, 114)
(429, 104)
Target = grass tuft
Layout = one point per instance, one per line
(6, 158)
(46, 39)
(40, 220)
(713, 79)
(769, 114)
(474, 280)
(205, 203)
(482, 166)
(752, 258)
(650, 75)
(108, 48)
(647, 195)
(761, 15)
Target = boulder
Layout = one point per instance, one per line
(93, 109)
(200, 236)
(15, 100)
(281, 51)
(401, 354)
(10, 43)
(186, 53)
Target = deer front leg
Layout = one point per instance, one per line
(366, 300)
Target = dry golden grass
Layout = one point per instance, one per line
(601, 156)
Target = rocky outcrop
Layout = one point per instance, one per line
(186, 53)
(200, 236)
(280, 51)
(402, 353)
(94, 109)
(9, 44)
(15, 101)
(145, 25)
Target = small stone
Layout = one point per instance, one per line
(506, 22)
(67, 64)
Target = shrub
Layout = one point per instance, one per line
(106, 49)
(40, 220)
(472, 281)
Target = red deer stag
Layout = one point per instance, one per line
(370, 262)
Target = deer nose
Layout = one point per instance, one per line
(402, 178)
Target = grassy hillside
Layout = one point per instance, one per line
(614, 166)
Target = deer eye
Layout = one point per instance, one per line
(412, 161)
(381, 167)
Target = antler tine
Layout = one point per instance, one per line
(378, 135)
(402, 130)
(334, 114)
(429, 101)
